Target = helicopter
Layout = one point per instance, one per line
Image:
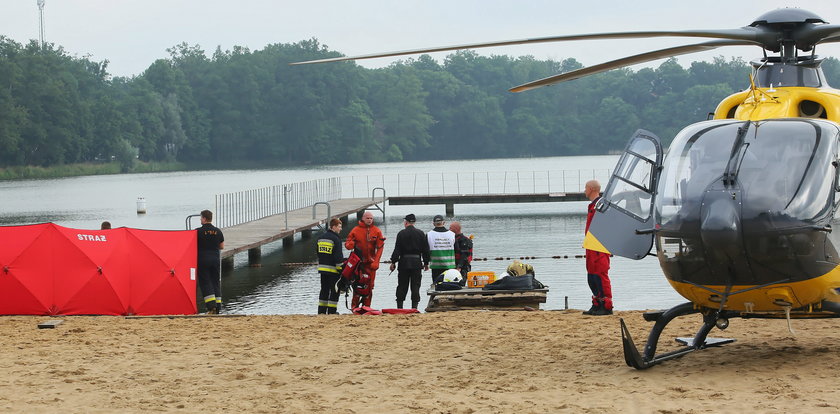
(740, 209)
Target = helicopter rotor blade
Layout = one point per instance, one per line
(820, 34)
(743, 33)
(830, 40)
(632, 60)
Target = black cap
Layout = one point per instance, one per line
(410, 218)
(438, 219)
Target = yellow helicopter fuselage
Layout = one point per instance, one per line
(759, 104)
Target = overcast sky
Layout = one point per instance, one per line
(131, 34)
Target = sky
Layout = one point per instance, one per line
(131, 34)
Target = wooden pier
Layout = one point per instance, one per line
(252, 235)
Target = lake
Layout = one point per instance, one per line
(287, 282)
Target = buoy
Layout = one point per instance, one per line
(141, 205)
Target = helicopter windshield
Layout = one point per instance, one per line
(782, 167)
(697, 157)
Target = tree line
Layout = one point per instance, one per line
(240, 106)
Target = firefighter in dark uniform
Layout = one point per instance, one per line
(411, 251)
(330, 258)
(463, 251)
(210, 242)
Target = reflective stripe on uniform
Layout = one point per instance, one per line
(325, 246)
(328, 303)
(442, 259)
(327, 268)
(209, 298)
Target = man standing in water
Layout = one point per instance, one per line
(210, 243)
(369, 241)
(597, 263)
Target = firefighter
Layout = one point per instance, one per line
(210, 242)
(411, 251)
(369, 241)
(597, 263)
(330, 257)
(463, 251)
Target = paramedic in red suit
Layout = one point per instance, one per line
(210, 242)
(369, 240)
(597, 263)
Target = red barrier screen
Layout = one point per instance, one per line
(46, 269)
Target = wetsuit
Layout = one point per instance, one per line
(330, 257)
(597, 268)
(370, 241)
(463, 255)
(209, 266)
(411, 253)
(442, 250)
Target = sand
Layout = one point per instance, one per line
(448, 362)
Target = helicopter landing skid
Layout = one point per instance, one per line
(643, 361)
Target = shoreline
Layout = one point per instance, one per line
(458, 362)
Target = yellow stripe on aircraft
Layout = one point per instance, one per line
(592, 243)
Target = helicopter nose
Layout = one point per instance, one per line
(720, 224)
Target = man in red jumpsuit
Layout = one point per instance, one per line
(369, 241)
(597, 263)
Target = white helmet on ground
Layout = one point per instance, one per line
(452, 275)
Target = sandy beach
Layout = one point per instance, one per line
(448, 362)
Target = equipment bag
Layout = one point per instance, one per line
(524, 282)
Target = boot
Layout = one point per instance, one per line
(399, 304)
(591, 310)
(414, 304)
(601, 311)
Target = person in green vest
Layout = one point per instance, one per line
(441, 248)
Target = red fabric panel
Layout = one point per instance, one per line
(90, 269)
(163, 271)
(47, 269)
(25, 270)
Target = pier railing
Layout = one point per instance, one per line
(495, 182)
(249, 205)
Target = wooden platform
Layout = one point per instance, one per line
(477, 298)
(253, 234)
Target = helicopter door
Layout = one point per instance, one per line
(623, 221)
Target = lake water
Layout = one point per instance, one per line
(287, 282)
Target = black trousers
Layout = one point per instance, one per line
(328, 296)
(436, 275)
(409, 278)
(209, 281)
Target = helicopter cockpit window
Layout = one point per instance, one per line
(697, 157)
(786, 170)
(631, 187)
(782, 169)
